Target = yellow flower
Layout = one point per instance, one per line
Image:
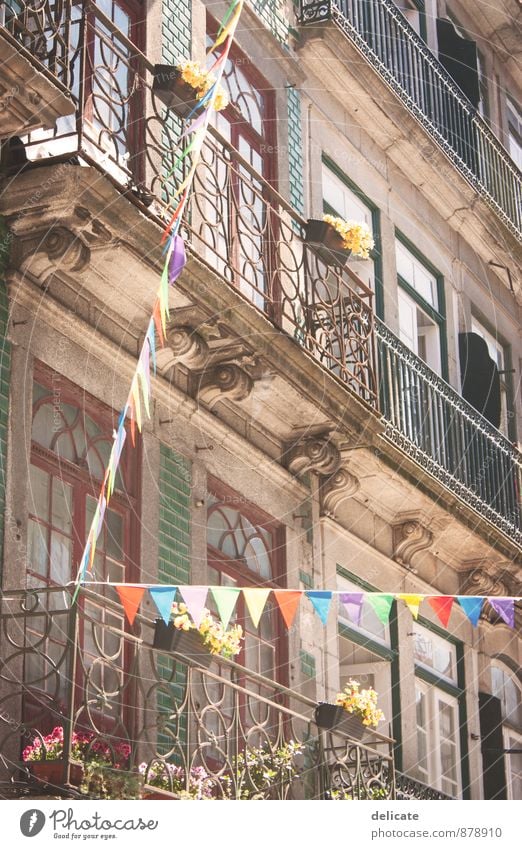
(356, 237)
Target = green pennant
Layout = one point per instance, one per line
(225, 598)
(381, 604)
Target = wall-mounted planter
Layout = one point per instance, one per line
(53, 772)
(189, 644)
(173, 91)
(335, 718)
(326, 241)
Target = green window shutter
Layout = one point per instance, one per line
(274, 16)
(173, 568)
(5, 368)
(176, 44)
(295, 150)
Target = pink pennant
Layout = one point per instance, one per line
(195, 598)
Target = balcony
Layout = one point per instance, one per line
(381, 33)
(78, 668)
(34, 84)
(430, 422)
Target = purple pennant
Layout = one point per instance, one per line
(177, 259)
(505, 607)
(353, 603)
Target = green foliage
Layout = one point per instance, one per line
(104, 782)
(263, 773)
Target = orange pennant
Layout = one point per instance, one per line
(442, 605)
(130, 598)
(157, 321)
(288, 601)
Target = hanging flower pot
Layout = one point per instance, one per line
(170, 87)
(327, 242)
(189, 644)
(335, 718)
(53, 772)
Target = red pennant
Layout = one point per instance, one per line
(130, 598)
(288, 601)
(442, 605)
(175, 216)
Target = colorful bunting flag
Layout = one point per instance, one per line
(288, 602)
(412, 600)
(381, 604)
(472, 607)
(505, 607)
(195, 598)
(177, 259)
(163, 598)
(353, 603)
(130, 598)
(442, 606)
(225, 598)
(321, 600)
(255, 600)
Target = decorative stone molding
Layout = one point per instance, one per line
(409, 538)
(187, 347)
(337, 488)
(487, 579)
(65, 249)
(313, 454)
(225, 381)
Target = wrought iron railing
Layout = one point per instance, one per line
(236, 222)
(79, 669)
(409, 789)
(432, 423)
(41, 29)
(386, 39)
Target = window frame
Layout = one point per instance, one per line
(438, 316)
(505, 374)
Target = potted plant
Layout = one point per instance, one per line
(354, 711)
(164, 780)
(182, 86)
(201, 643)
(263, 772)
(335, 239)
(105, 781)
(44, 755)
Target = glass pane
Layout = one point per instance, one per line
(446, 721)
(37, 548)
(43, 426)
(60, 572)
(61, 513)
(39, 493)
(114, 536)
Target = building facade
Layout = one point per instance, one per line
(313, 425)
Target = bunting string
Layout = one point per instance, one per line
(137, 406)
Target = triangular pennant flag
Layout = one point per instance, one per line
(195, 598)
(353, 603)
(163, 598)
(505, 607)
(321, 600)
(381, 604)
(442, 605)
(412, 600)
(472, 607)
(151, 339)
(288, 601)
(255, 600)
(130, 598)
(177, 259)
(225, 598)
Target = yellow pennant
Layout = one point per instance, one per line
(412, 600)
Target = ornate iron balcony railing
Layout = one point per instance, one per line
(432, 423)
(391, 45)
(79, 668)
(237, 223)
(409, 789)
(41, 29)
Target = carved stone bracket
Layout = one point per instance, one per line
(225, 381)
(187, 346)
(313, 454)
(409, 538)
(486, 578)
(337, 488)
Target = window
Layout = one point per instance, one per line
(413, 11)
(512, 740)
(239, 226)
(514, 116)
(365, 652)
(437, 687)
(71, 443)
(341, 200)
(508, 689)
(497, 353)
(421, 322)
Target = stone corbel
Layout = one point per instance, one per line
(487, 579)
(226, 381)
(186, 346)
(60, 249)
(409, 538)
(338, 487)
(316, 454)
